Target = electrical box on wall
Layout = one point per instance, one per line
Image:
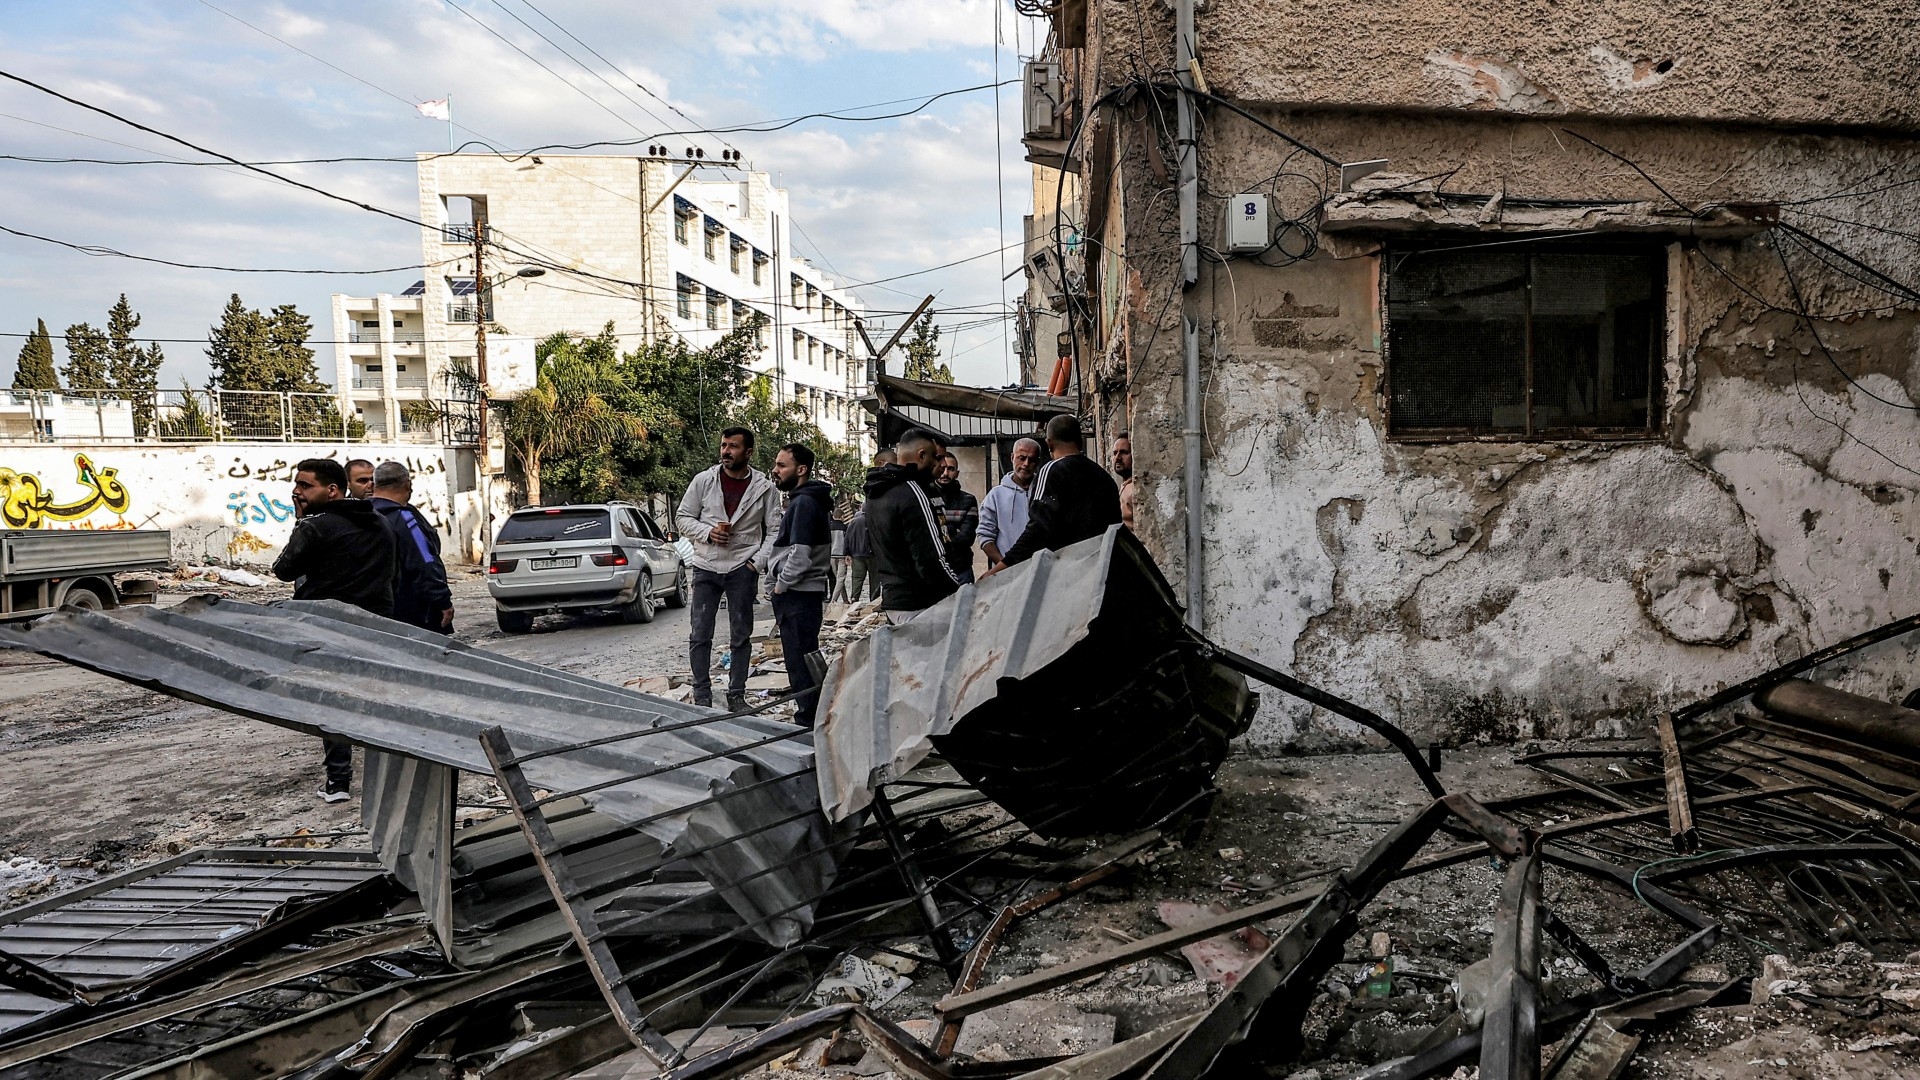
(1247, 229)
(1043, 96)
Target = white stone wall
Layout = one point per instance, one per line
(226, 503)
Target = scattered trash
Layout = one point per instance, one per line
(860, 981)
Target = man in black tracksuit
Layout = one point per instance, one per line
(340, 550)
(909, 550)
(797, 571)
(1073, 498)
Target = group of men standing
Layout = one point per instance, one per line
(358, 539)
(913, 538)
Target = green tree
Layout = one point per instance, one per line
(247, 350)
(923, 353)
(571, 408)
(132, 370)
(34, 368)
(86, 367)
(691, 394)
(190, 421)
(775, 425)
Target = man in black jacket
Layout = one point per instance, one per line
(340, 550)
(798, 568)
(960, 513)
(420, 594)
(1073, 497)
(909, 550)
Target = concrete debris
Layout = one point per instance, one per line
(1033, 1029)
(1336, 920)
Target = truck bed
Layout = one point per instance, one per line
(35, 553)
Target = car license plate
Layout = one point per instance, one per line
(556, 564)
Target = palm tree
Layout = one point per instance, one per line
(566, 410)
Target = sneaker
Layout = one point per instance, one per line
(736, 702)
(335, 791)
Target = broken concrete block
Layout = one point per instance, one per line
(1033, 1028)
(1221, 959)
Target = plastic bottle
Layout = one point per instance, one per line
(1380, 979)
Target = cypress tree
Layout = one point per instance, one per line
(87, 353)
(33, 370)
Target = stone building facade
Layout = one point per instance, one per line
(657, 247)
(1592, 391)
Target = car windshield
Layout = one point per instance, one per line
(556, 524)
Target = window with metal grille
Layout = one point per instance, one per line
(1527, 341)
(687, 288)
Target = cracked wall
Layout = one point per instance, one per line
(1476, 590)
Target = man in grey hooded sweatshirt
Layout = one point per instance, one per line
(798, 568)
(730, 514)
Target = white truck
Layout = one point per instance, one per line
(43, 570)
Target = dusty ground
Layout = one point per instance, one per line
(99, 774)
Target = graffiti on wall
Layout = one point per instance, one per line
(280, 470)
(27, 503)
(257, 508)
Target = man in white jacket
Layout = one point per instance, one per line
(731, 515)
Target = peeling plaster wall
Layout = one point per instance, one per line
(1507, 590)
(1825, 62)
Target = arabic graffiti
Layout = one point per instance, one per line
(280, 470)
(26, 504)
(257, 508)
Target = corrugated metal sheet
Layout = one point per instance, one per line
(1068, 681)
(129, 931)
(738, 788)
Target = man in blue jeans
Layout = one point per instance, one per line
(731, 515)
(798, 570)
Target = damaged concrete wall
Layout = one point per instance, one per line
(1508, 589)
(1825, 63)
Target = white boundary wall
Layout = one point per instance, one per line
(226, 503)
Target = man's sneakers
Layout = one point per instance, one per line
(736, 702)
(335, 791)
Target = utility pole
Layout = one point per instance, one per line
(1185, 65)
(480, 304)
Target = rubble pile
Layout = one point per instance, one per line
(649, 888)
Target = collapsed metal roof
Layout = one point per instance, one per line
(1067, 689)
(736, 792)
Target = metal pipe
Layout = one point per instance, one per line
(1187, 152)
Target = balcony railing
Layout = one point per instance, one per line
(459, 233)
(467, 311)
(400, 337)
(164, 416)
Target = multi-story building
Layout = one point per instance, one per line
(654, 246)
(380, 359)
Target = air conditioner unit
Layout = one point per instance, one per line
(1044, 98)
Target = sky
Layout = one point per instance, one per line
(873, 200)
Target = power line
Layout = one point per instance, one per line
(581, 63)
(616, 69)
(308, 55)
(101, 251)
(475, 19)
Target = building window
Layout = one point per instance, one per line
(813, 295)
(687, 287)
(1558, 340)
(742, 314)
(372, 324)
(759, 263)
(683, 215)
(799, 291)
(737, 250)
(715, 232)
(716, 306)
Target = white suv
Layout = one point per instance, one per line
(605, 556)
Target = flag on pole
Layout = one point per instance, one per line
(435, 110)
